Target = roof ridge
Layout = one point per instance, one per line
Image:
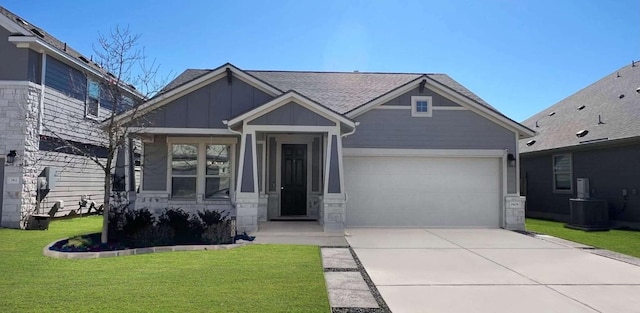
(340, 72)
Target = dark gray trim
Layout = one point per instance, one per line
(273, 149)
(315, 165)
(34, 67)
(334, 168)
(259, 157)
(247, 168)
(13, 60)
(438, 100)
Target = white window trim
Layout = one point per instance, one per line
(414, 110)
(86, 101)
(202, 143)
(553, 173)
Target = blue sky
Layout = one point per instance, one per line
(521, 56)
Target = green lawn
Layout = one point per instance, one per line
(623, 241)
(254, 278)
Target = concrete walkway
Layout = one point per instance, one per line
(491, 270)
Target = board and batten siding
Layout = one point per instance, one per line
(13, 60)
(206, 107)
(154, 165)
(445, 129)
(292, 114)
(75, 176)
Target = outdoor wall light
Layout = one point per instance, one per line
(511, 160)
(11, 157)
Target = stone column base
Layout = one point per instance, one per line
(334, 215)
(247, 214)
(514, 212)
(263, 202)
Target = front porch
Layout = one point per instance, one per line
(298, 232)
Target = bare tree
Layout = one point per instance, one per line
(127, 80)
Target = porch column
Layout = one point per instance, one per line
(247, 186)
(334, 202)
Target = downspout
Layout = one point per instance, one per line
(351, 132)
(42, 81)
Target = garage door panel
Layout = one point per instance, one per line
(419, 191)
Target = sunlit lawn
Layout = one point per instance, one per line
(254, 278)
(623, 241)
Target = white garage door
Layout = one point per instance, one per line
(422, 191)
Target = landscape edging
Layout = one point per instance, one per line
(108, 254)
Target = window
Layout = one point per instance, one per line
(93, 99)
(184, 170)
(217, 178)
(199, 169)
(421, 106)
(562, 181)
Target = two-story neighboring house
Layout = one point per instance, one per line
(51, 97)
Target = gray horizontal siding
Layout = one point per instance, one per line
(292, 114)
(75, 176)
(444, 130)
(13, 60)
(65, 79)
(206, 107)
(437, 99)
(396, 129)
(64, 116)
(154, 165)
(609, 171)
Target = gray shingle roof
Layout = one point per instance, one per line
(338, 91)
(48, 38)
(614, 98)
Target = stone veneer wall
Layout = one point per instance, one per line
(157, 202)
(19, 106)
(514, 212)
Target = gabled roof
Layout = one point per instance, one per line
(339, 91)
(289, 96)
(611, 112)
(24, 32)
(27, 29)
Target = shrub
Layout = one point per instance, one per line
(179, 221)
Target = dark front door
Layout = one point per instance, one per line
(293, 191)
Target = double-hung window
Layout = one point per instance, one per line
(217, 173)
(184, 170)
(562, 181)
(421, 106)
(92, 106)
(201, 170)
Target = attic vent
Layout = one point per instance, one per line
(552, 113)
(580, 107)
(582, 133)
(37, 32)
(530, 142)
(83, 59)
(109, 73)
(537, 126)
(21, 21)
(617, 74)
(620, 96)
(132, 86)
(638, 90)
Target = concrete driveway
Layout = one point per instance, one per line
(491, 270)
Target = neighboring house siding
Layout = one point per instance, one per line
(13, 61)
(405, 99)
(609, 170)
(292, 114)
(75, 176)
(64, 117)
(65, 79)
(207, 107)
(154, 166)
